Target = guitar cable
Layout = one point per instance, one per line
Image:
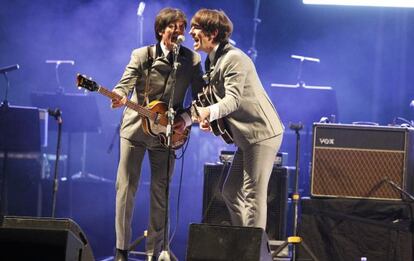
(177, 216)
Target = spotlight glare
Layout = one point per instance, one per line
(382, 3)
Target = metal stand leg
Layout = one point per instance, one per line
(82, 174)
(295, 240)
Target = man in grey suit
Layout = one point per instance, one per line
(146, 79)
(248, 113)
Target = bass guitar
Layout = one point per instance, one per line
(218, 127)
(154, 116)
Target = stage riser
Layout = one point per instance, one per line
(348, 229)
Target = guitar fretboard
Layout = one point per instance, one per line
(138, 108)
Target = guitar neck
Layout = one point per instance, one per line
(132, 105)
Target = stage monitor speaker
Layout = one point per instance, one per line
(25, 238)
(215, 210)
(356, 161)
(227, 243)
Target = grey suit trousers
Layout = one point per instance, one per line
(129, 171)
(245, 188)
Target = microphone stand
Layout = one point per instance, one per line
(140, 12)
(295, 239)
(402, 191)
(165, 255)
(252, 52)
(58, 116)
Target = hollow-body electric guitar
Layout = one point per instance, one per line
(218, 127)
(154, 116)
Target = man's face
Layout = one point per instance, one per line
(171, 32)
(202, 42)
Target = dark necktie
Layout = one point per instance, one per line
(207, 64)
(170, 57)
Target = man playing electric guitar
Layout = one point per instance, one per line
(249, 114)
(147, 78)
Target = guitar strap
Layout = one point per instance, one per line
(150, 60)
(207, 75)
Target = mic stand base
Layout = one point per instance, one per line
(164, 256)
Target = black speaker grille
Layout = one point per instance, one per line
(215, 210)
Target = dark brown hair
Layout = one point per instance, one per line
(165, 17)
(211, 20)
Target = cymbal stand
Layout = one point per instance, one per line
(295, 239)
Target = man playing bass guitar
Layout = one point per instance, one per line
(146, 78)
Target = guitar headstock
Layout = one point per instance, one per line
(84, 82)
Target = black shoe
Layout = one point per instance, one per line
(121, 255)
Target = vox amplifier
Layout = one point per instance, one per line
(361, 161)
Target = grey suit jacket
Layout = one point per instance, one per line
(134, 78)
(244, 103)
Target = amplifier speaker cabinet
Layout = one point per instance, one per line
(361, 161)
(215, 210)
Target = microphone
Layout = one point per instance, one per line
(55, 113)
(176, 45)
(57, 62)
(9, 68)
(141, 8)
(180, 39)
(296, 126)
